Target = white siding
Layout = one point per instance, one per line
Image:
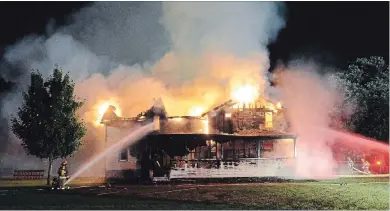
(113, 136)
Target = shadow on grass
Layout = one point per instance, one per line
(237, 198)
(71, 201)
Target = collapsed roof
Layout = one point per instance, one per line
(157, 109)
(193, 124)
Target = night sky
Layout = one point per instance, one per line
(332, 33)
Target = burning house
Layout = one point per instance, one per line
(234, 139)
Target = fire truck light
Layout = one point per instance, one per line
(378, 162)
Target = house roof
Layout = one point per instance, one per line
(229, 103)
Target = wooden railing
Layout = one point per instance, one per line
(212, 168)
(225, 163)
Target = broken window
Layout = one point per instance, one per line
(251, 147)
(228, 153)
(240, 149)
(205, 152)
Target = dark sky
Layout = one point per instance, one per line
(334, 32)
(330, 32)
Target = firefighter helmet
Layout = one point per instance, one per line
(64, 163)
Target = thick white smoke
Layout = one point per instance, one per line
(309, 99)
(188, 53)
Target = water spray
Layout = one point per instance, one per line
(354, 139)
(132, 137)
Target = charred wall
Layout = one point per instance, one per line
(234, 120)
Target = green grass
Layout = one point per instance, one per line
(359, 194)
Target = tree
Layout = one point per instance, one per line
(365, 85)
(46, 122)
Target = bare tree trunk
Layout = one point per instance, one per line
(49, 171)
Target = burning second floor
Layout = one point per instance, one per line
(255, 118)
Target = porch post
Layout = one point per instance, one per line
(221, 151)
(258, 148)
(295, 147)
(186, 155)
(216, 151)
(244, 148)
(234, 149)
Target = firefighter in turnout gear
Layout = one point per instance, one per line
(351, 165)
(366, 166)
(63, 174)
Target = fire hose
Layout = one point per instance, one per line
(353, 168)
(59, 183)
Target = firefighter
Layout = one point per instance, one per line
(63, 174)
(157, 165)
(366, 166)
(351, 165)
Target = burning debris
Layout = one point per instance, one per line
(107, 111)
(250, 115)
(109, 114)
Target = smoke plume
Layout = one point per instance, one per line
(188, 53)
(309, 98)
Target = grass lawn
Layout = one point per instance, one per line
(359, 193)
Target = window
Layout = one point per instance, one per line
(228, 154)
(123, 155)
(240, 149)
(251, 147)
(268, 145)
(246, 149)
(228, 150)
(205, 152)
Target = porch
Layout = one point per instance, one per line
(218, 156)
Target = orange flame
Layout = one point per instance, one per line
(205, 126)
(196, 111)
(279, 105)
(101, 109)
(245, 94)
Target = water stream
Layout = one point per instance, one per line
(131, 138)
